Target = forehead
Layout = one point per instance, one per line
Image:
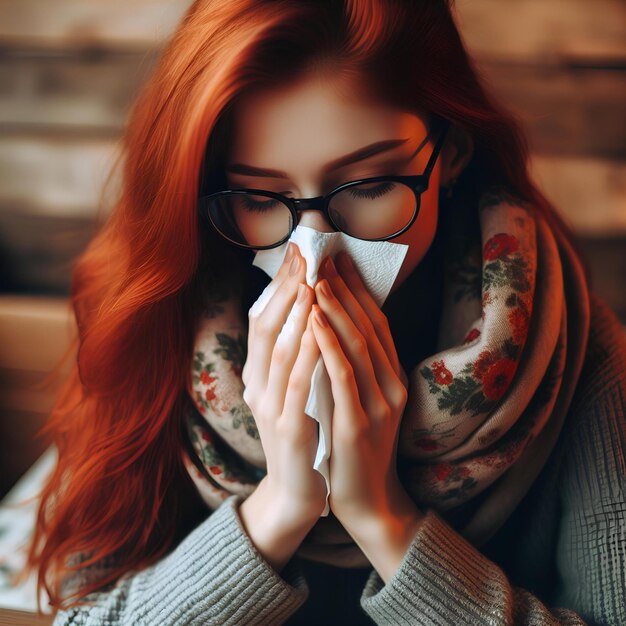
(307, 124)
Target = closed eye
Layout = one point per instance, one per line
(371, 193)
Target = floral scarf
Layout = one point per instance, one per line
(483, 412)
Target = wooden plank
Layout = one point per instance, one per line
(55, 175)
(28, 323)
(543, 32)
(98, 22)
(590, 193)
(38, 251)
(566, 111)
(11, 617)
(606, 256)
(74, 92)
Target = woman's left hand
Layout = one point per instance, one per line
(369, 389)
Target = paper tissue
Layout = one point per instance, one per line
(378, 263)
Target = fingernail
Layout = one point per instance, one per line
(345, 262)
(325, 288)
(331, 270)
(319, 317)
(293, 268)
(289, 252)
(301, 293)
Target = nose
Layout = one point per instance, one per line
(315, 220)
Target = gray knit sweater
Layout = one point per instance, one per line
(559, 559)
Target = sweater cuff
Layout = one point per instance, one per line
(442, 579)
(253, 591)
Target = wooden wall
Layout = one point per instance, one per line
(69, 70)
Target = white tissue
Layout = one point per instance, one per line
(378, 263)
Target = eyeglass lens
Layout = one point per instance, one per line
(368, 211)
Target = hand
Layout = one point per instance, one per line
(277, 377)
(370, 393)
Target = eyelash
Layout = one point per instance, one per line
(258, 207)
(369, 194)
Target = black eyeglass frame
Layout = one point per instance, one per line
(417, 183)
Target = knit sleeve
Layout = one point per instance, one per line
(214, 576)
(444, 579)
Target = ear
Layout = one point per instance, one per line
(456, 153)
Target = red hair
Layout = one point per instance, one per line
(120, 485)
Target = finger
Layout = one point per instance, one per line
(286, 349)
(350, 277)
(341, 373)
(255, 311)
(353, 345)
(299, 385)
(269, 324)
(387, 374)
(267, 293)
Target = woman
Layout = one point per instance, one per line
(477, 436)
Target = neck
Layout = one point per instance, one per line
(414, 309)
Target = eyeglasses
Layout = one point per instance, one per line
(372, 209)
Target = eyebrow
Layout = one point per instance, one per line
(358, 155)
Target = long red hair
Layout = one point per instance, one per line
(120, 486)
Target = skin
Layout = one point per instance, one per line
(299, 129)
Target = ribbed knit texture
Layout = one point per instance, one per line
(214, 576)
(560, 559)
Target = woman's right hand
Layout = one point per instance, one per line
(277, 376)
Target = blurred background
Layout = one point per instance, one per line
(69, 71)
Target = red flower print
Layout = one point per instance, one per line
(442, 470)
(519, 325)
(483, 363)
(500, 245)
(206, 378)
(214, 469)
(426, 443)
(210, 394)
(498, 378)
(473, 334)
(207, 437)
(443, 376)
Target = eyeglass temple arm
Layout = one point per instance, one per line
(437, 148)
